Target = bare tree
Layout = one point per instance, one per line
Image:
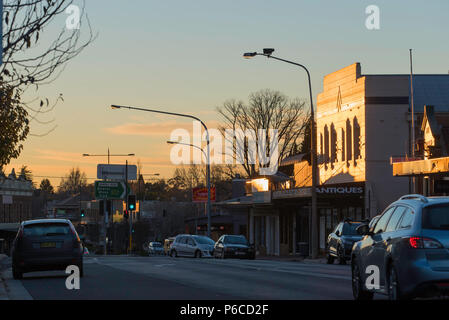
(32, 57)
(28, 60)
(266, 109)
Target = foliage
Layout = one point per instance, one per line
(14, 124)
(73, 182)
(46, 187)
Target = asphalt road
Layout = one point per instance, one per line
(160, 277)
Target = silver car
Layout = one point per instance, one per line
(186, 245)
(409, 248)
(155, 248)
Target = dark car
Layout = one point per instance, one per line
(340, 241)
(233, 246)
(409, 248)
(46, 244)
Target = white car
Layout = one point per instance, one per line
(186, 245)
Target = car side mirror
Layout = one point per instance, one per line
(363, 230)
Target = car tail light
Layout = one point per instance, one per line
(76, 240)
(424, 243)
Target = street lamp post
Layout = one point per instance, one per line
(108, 155)
(208, 151)
(268, 53)
(104, 201)
(208, 184)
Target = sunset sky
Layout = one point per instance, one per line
(186, 56)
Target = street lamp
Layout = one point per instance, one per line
(267, 52)
(208, 151)
(108, 155)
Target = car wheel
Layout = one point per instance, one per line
(358, 291)
(197, 254)
(341, 256)
(394, 291)
(17, 273)
(223, 255)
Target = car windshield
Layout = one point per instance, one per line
(436, 217)
(349, 229)
(236, 240)
(46, 229)
(156, 244)
(204, 240)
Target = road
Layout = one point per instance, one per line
(160, 277)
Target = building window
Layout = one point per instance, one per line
(357, 140)
(343, 144)
(348, 141)
(326, 144)
(333, 146)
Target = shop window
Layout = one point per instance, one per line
(348, 141)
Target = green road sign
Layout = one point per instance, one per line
(110, 190)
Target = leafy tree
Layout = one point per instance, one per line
(14, 124)
(46, 186)
(73, 182)
(266, 109)
(31, 60)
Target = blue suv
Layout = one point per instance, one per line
(408, 246)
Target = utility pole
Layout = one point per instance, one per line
(413, 116)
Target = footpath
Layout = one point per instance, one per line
(10, 289)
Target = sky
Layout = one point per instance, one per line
(186, 56)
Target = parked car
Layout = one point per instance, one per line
(341, 240)
(46, 244)
(186, 245)
(167, 244)
(155, 248)
(234, 246)
(409, 244)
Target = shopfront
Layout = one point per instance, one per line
(335, 204)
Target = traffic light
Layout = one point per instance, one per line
(82, 213)
(131, 202)
(126, 214)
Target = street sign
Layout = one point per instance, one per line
(110, 190)
(200, 194)
(116, 171)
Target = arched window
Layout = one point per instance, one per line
(326, 144)
(357, 139)
(348, 141)
(333, 144)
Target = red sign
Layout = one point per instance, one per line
(200, 194)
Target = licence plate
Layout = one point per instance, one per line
(48, 244)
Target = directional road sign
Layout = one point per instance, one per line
(110, 190)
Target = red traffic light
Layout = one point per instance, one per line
(126, 214)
